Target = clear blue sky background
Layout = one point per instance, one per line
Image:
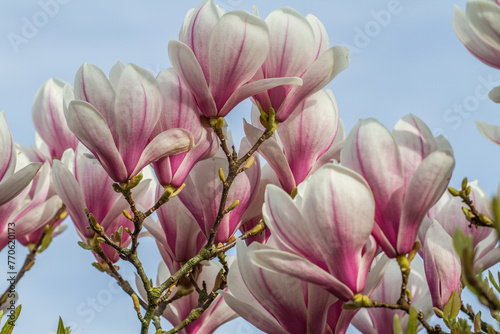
(412, 63)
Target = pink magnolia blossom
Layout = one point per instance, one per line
(309, 138)
(323, 235)
(442, 265)
(83, 184)
(448, 212)
(407, 171)
(298, 48)
(177, 233)
(217, 314)
(217, 55)
(380, 320)
(114, 119)
(272, 301)
(48, 118)
(203, 192)
(32, 208)
(13, 177)
(479, 30)
(180, 111)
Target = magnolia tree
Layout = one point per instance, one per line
(331, 227)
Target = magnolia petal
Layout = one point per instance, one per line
(484, 19)
(12, 186)
(317, 308)
(297, 266)
(187, 67)
(322, 71)
(167, 143)
(115, 74)
(489, 131)
(273, 154)
(250, 314)
(341, 205)
(70, 193)
(48, 117)
(197, 29)
(415, 142)
(473, 41)
(253, 88)
(239, 44)
(137, 109)
(442, 265)
(426, 187)
(272, 290)
(333, 153)
(93, 86)
(179, 106)
(292, 44)
(321, 42)
(369, 149)
(304, 137)
(92, 130)
(38, 216)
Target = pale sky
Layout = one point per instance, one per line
(407, 62)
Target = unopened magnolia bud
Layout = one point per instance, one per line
(117, 188)
(127, 215)
(453, 191)
(485, 219)
(233, 206)
(464, 183)
(137, 305)
(134, 182)
(468, 190)
(248, 163)
(467, 213)
(221, 175)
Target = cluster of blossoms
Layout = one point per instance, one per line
(339, 209)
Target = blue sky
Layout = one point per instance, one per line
(407, 62)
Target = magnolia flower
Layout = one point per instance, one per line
(407, 171)
(177, 233)
(50, 103)
(82, 184)
(298, 48)
(448, 212)
(214, 316)
(31, 209)
(323, 234)
(180, 111)
(308, 139)
(442, 265)
(218, 53)
(13, 177)
(479, 30)
(380, 320)
(272, 301)
(114, 118)
(203, 191)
